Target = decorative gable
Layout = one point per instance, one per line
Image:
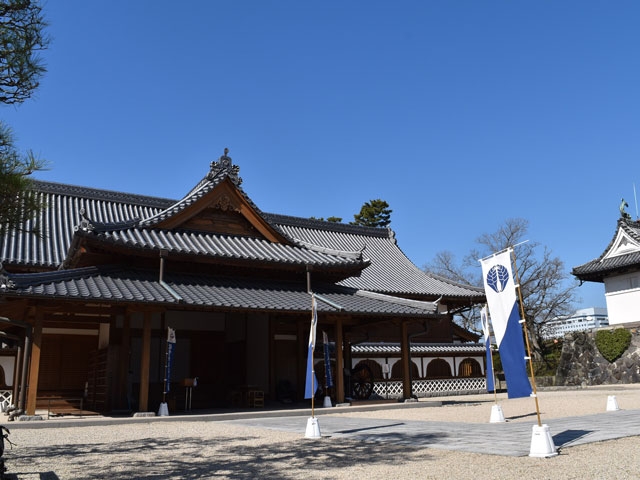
(217, 205)
(623, 244)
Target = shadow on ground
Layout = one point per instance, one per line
(159, 458)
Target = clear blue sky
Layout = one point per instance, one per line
(460, 114)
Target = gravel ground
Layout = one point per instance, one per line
(205, 449)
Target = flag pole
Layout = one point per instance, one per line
(503, 250)
(313, 429)
(526, 336)
(496, 410)
(166, 366)
(313, 367)
(488, 339)
(493, 374)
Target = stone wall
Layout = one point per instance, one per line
(581, 364)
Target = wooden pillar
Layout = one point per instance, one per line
(404, 352)
(273, 391)
(348, 365)
(123, 363)
(145, 362)
(16, 375)
(303, 347)
(34, 364)
(339, 363)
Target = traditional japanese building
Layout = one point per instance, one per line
(618, 267)
(87, 305)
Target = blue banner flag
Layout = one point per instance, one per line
(171, 346)
(311, 384)
(327, 361)
(487, 343)
(500, 290)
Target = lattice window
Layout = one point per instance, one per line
(6, 399)
(431, 388)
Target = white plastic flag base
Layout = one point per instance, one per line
(313, 429)
(496, 414)
(327, 402)
(612, 403)
(163, 411)
(541, 442)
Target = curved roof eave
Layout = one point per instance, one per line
(122, 285)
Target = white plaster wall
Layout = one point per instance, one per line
(390, 361)
(623, 306)
(622, 294)
(446, 359)
(7, 364)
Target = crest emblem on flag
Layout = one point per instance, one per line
(498, 278)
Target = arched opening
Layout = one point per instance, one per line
(469, 368)
(438, 368)
(396, 370)
(375, 367)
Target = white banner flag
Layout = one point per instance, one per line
(500, 290)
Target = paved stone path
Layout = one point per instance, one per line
(508, 438)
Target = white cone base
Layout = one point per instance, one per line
(163, 411)
(327, 402)
(541, 442)
(496, 414)
(612, 404)
(313, 429)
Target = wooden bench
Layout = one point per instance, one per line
(59, 406)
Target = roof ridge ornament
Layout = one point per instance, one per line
(86, 224)
(624, 215)
(224, 166)
(5, 281)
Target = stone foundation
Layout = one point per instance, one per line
(581, 364)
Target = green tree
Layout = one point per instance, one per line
(546, 287)
(21, 39)
(374, 213)
(18, 202)
(328, 219)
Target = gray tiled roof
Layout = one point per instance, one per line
(225, 246)
(417, 348)
(597, 269)
(122, 285)
(390, 270)
(62, 214)
(123, 218)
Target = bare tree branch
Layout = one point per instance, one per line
(547, 289)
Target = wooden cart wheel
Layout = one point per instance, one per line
(362, 382)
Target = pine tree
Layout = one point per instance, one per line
(374, 213)
(21, 39)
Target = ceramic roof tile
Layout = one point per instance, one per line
(321, 243)
(417, 348)
(121, 285)
(596, 269)
(224, 246)
(390, 270)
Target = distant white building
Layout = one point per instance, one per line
(583, 319)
